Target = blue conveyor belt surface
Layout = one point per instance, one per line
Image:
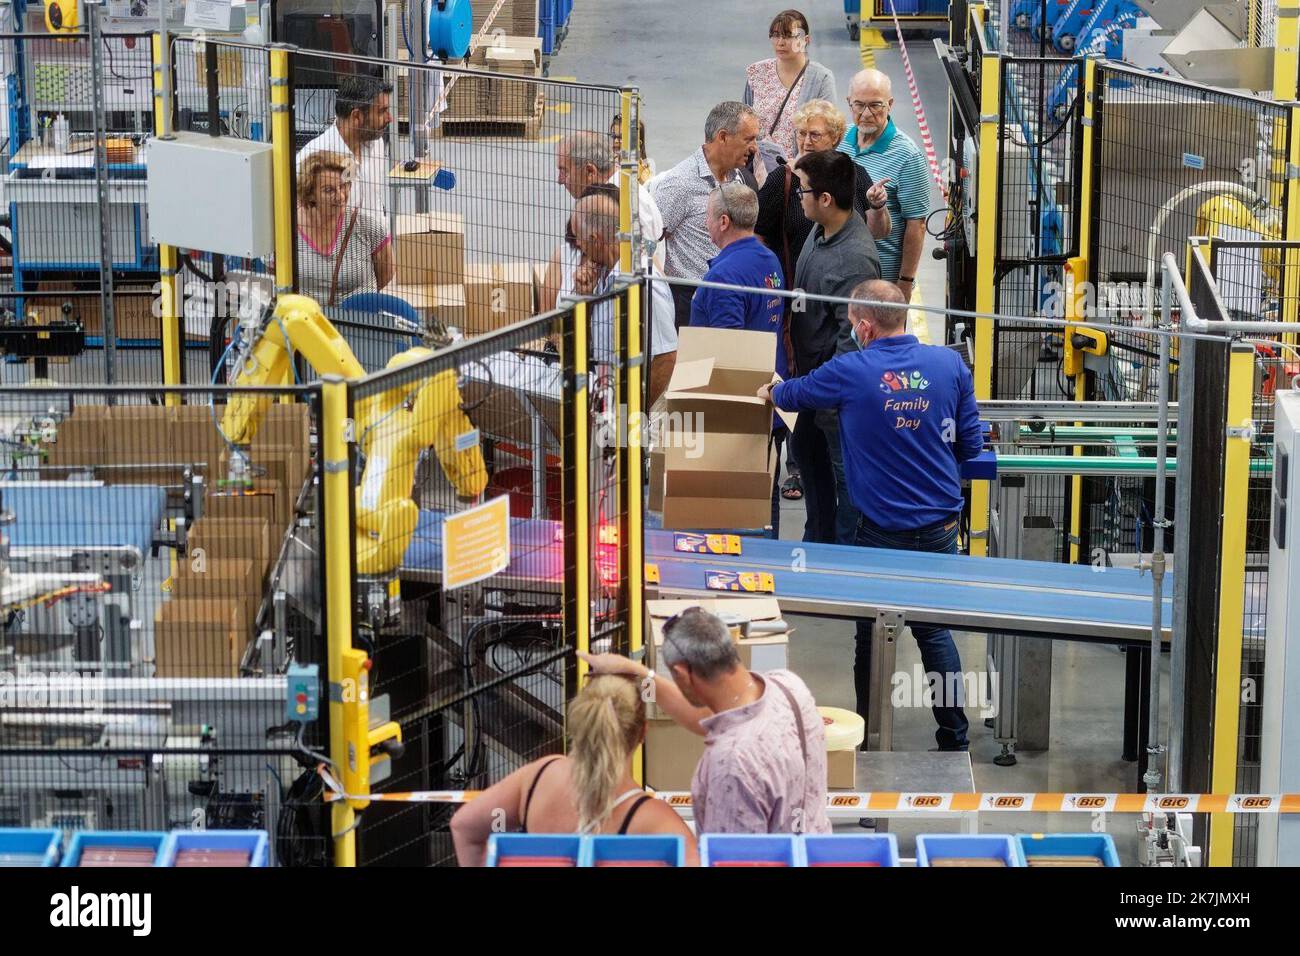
(978, 594)
(55, 515)
(535, 551)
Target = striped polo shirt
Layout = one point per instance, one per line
(894, 155)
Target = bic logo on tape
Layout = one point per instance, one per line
(836, 801)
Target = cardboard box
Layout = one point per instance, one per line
(841, 769)
(430, 248)
(513, 96)
(232, 579)
(133, 307)
(199, 637)
(718, 461)
(81, 438)
(671, 754)
(498, 294)
(264, 503)
(655, 500)
(445, 302)
(233, 538)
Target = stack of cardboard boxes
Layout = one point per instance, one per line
(204, 625)
(513, 99)
(434, 277)
(133, 310)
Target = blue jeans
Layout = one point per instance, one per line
(938, 651)
(846, 515)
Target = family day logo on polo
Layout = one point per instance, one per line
(96, 910)
(905, 410)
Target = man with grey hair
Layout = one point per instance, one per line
(730, 139)
(584, 159)
(764, 763)
(744, 261)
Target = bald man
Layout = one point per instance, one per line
(595, 230)
(887, 153)
(908, 418)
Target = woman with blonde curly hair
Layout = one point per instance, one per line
(590, 790)
(341, 248)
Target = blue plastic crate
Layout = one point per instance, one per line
(84, 839)
(847, 849)
(1100, 845)
(647, 849)
(254, 841)
(934, 846)
(535, 846)
(750, 849)
(30, 847)
(562, 10)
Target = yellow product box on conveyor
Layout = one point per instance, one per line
(693, 543)
(759, 582)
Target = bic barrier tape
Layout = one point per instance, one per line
(946, 803)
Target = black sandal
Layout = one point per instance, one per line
(792, 488)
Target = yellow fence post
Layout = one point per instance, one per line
(1083, 273)
(1232, 574)
(169, 278)
(985, 276)
(581, 452)
(337, 540)
(282, 169)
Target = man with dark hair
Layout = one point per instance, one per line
(362, 116)
(909, 419)
(730, 138)
(764, 763)
(838, 254)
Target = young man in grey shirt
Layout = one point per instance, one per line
(838, 255)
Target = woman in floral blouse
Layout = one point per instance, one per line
(778, 86)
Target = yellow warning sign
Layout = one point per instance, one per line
(476, 543)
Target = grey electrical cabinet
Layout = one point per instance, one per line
(212, 194)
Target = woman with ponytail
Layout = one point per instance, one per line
(591, 790)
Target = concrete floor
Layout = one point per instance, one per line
(684, 63)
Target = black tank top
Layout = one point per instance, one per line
(528, 800)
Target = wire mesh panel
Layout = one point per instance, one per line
(1249, 279)
(152, 613)
(54, 204)
(219, 89)
(1218, 171)
(461, 609)
(459, 182)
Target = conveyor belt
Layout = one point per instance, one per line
(994, 595)
(536, 551)
(50, 514)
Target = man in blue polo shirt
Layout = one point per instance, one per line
(743, 260)
(876, 144)
(908, 418)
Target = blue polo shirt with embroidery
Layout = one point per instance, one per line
(897, 156)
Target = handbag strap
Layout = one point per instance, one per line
(803, 742)
(788, 93)
(338, 259)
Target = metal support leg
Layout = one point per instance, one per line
(886, 628)
(1005, 662)
(539, 462)
(1132, 701)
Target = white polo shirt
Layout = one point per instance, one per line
(370, 188)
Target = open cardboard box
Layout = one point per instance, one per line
(716, 441)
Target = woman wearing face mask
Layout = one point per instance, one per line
(777, 87)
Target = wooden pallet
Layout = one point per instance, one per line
(515, 127)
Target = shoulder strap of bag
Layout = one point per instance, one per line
(803, 740)
(338, 258)
(788, 93)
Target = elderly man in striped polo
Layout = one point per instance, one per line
(887, 153)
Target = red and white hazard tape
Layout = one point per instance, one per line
(927, 141)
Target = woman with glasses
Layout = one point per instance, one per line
(777, 87)
(591, 790)
(784, 228)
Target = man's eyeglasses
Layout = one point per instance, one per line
(800, 191)
(877, 106)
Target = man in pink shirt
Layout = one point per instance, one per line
(764, 763)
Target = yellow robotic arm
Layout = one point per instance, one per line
(391, 427)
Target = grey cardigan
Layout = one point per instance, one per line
(818, 84)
